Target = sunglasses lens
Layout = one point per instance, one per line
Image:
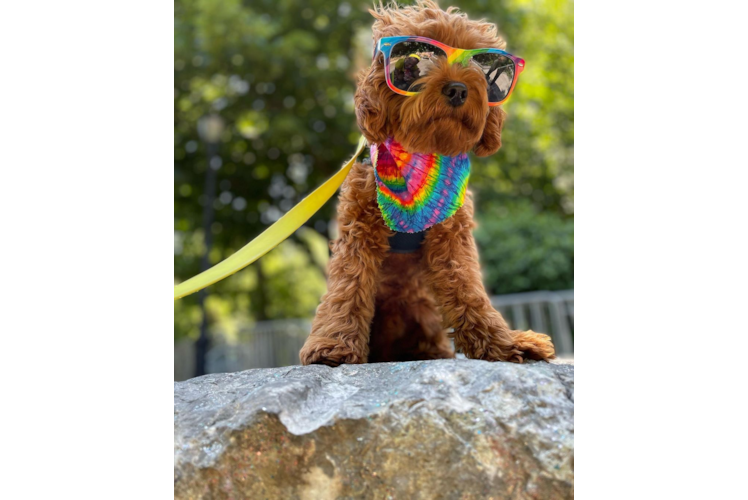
(499, 71)
(409, 61)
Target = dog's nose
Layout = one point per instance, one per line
(456, 93)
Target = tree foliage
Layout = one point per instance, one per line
(525, 251)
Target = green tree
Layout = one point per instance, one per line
(279, 73)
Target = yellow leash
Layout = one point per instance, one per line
(272, 236)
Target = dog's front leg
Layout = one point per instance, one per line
(453, 272)
(340, 330)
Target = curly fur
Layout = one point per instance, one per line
(382, 306)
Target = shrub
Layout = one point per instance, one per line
(524, 250)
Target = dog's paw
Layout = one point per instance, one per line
(531, 345)
(329, 352)
(525, 345)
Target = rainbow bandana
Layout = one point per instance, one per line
(417, 190)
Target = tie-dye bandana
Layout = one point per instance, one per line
(416, 190)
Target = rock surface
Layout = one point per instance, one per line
(451, 429)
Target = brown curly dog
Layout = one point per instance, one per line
(382, 305)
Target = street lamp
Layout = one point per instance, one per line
(209, 128)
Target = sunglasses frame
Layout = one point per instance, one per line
(460, 56)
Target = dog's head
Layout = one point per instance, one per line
(432, 121)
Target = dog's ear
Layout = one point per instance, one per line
(490, 142)
(371, 114)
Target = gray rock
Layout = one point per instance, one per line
(452, 429)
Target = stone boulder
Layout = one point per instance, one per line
(451, 429)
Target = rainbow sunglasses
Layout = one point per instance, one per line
(408, 58)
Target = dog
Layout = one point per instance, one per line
(399, 282)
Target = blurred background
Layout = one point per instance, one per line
(263, 114)
(640, 107)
